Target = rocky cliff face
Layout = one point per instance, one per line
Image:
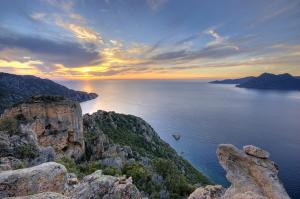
(251, 174)
(109, 152)
(51, 121)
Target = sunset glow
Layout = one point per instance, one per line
(157, 39)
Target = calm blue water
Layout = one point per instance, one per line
(207, 115)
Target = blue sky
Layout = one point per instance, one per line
(91, 39)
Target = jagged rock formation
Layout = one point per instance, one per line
(208, 192)
(42, 178)
(251, 174)
(17, 88)
(45, 195)
(51, 180)
(100, 186)
(48, 121)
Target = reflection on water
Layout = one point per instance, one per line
(207, 115)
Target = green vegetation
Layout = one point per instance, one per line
(9, 125)
(177, 176)
(175, 181)
(113, 171)
(82, 169)
(26, 151)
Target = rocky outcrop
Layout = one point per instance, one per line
(250, 175)
(100, 186)
(46, 195)
(45, 177)
(208, 192)
(51, 121)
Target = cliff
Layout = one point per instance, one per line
(17, 88)
(110, 155)
(251, 173)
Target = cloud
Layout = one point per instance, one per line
(38, 16)
(82, 33)
(156, 4)
(65, 52)
(66, 5)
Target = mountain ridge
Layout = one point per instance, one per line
(265, 81)
(17, 88)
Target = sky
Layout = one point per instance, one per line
(149, 39)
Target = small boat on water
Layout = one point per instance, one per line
(176, 136)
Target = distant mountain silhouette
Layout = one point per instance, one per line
(233, 81)
(265, 81)
(271, 81)
(16, 88)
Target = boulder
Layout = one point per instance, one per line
(45, 195)
(47, 177)
(250, 176)
(98, 186)
(256, 151)
(208, 192)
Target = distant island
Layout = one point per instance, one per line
(265, 81)
(17, 88)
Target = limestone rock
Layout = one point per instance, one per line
(45, 195)
(250, 176)
(9, 163)
(54, 122)
(208, 192)
(256, 151)
(98, 186)
(45, 177)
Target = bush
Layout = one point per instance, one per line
(112, 170)
(82, 169)
(9, 124)
(175, 181)
(70, 164)
(88, 168)
(26, 151)
(137, 172)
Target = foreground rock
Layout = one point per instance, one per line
(251, 176)
(50, 121)
(47, 177)
(98, 186)
(46, 195)
(208, 192)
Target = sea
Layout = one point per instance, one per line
(206, 115)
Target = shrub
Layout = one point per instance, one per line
(112, 170)
(137, 172)
(70, 164)
(88, 168)
(26, 151)
(9, 124)
(82, 169)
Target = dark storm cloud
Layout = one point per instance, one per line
(63, 52)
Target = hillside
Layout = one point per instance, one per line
(233, 81)
(16, 88)
(274, 82)
(119, 145)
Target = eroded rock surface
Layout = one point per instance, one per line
(208, 192)
(46, 195)
(47, 177)
(251, 176)
(52, 121)
(98, 186)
